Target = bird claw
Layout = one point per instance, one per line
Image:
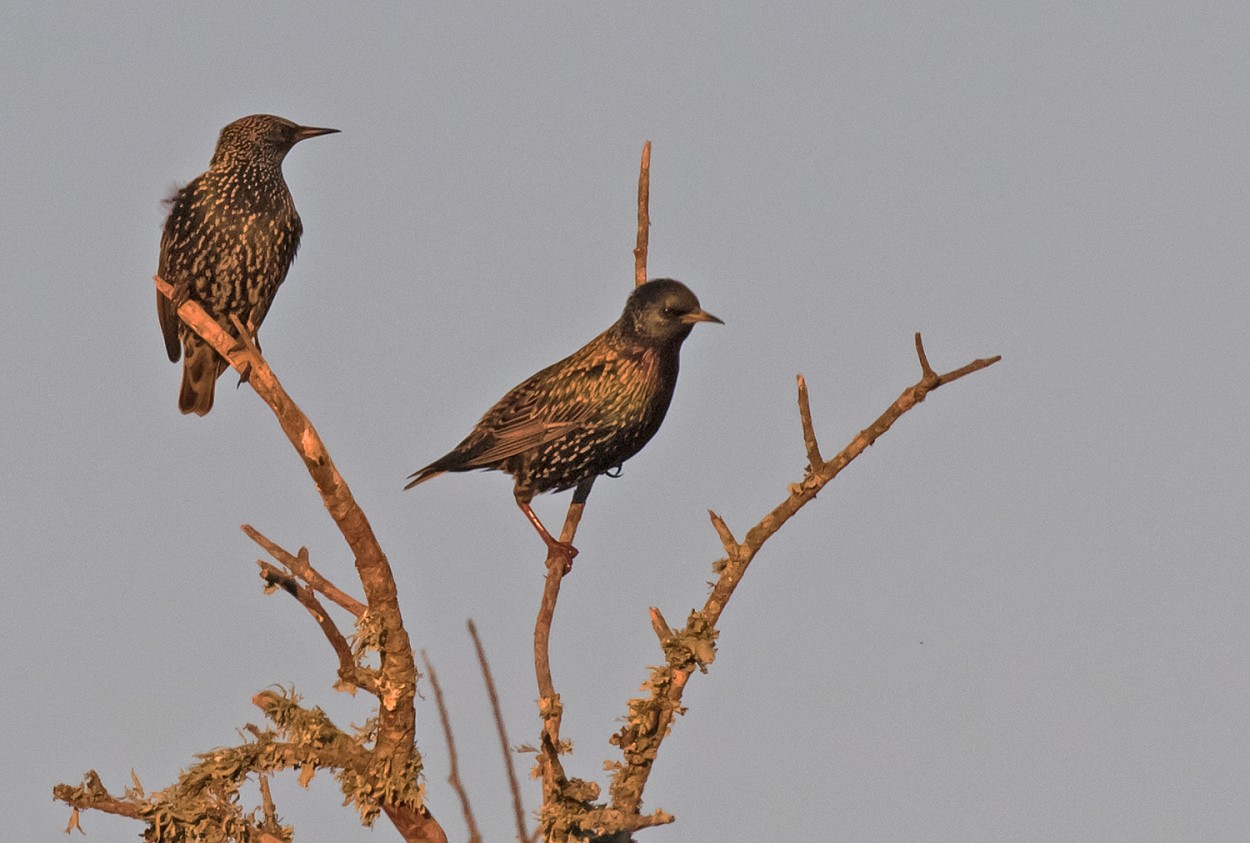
(562, 552)
(182, 293)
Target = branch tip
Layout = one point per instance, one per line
(925, 369)
(662, 630)
(504, 744)
(453, 759)
(726, 537)
(644, 218)
(814, 459)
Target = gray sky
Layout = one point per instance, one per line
(1020, 616)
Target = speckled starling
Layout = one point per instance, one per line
(587, 414)
(229, 240)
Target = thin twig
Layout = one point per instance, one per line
(727, 539)
(814, 459)
(650, 719)
(644, 217)
(549, 706)
(925, 369)
(453, 777)
(93, 794)
(271, 827)
(299, 565)
(351, 674)
(551, 770)
(504, 744)
(662, 630)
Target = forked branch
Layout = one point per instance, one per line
(693, 647)
(567, 803)
(299, 566)
(382, 776)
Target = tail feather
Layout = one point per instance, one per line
(459, 459)
(168, 315)
(200, 369)
(467, 456)
(427, 473)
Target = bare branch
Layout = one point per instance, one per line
(351, 674)
(299, 565)
(396, 728)
(549, 707)
(814, 459)
(92, 794)
(644, 218)
(203, 803)
(926, 370)
(504, 745)
(726, 537)
(453, 777)
(567, 808)
(272, 829)
(662, 630)
(650, 718)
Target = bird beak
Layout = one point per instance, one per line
(306, 132)
(699, 316)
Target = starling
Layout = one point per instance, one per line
(587, 414)
(228, 242)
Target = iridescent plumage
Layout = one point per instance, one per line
(588, 413)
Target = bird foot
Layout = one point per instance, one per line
(245, 375)
(182, 293)
(556, 549)
(561, 553)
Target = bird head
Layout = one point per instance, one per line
(663, 311)
(262, 137)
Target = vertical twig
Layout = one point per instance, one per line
(814, 459)
(549, 707)
(644, 218)
(513, 785)
(453, 760)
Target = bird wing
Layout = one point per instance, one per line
(168, 315)
(165, 309)
(549, 405)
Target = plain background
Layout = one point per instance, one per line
(1022, 615)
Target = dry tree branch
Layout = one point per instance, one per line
(94, 795)
(203, 803)
(693, 648)
(565, 800)
(814, 459)
(453, 759)
(299, 565)
(551, 770)
(351, 674)
(386, 775)
(644, 217)
(505, 746)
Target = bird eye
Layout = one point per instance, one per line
(669, 311)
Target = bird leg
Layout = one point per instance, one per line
(564, 550)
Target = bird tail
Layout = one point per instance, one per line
(201, 367)
(430, 471)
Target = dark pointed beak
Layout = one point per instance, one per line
(306, 132)
(699, 316)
